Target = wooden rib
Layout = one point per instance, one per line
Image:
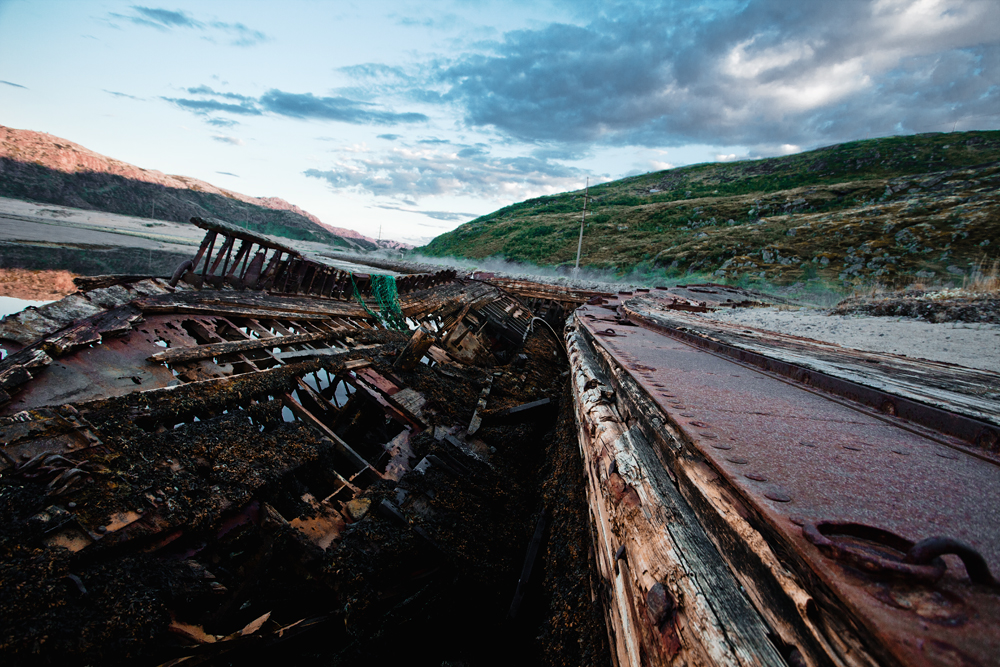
(182, 354)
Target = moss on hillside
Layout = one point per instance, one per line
(886, 209)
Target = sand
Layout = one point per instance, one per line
(970, 345)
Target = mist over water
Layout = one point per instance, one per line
(585, 278)
(814, 293)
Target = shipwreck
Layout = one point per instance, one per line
(264, 457)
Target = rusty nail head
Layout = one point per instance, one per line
(660, 603)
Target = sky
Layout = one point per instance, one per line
(405, 119)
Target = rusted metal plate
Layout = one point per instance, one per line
(961, 402)
(800, 459)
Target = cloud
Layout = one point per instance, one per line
(449, 216)
(308, 106)
(373, 71)
(417, 173)
(205, 90)
(122, 95)
(222, 122)
(16, 85)
(390, 137)
(206, 106)
(235, 141)
(164, 20)
(302, 106)
(734, 72)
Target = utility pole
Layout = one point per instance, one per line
(579, 245)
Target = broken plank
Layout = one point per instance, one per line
(476, 420)
(521, 413)
(345, 449)
(181, 354)
(414, 350)
(223, 309)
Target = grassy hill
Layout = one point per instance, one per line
(889, 209)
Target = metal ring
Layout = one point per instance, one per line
(818, 534)
(928, 551)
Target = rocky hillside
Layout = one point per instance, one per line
(41, 167)
(891, 209)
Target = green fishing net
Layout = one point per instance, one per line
(384, 290)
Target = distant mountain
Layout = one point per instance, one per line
(44, 168)
(889, 210)
(385, 244)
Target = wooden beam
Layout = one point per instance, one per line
(181, 354)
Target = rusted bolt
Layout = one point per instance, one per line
(660, 604)
(988, 439)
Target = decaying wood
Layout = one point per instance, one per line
(177, 355)
(476, 420)
(531, 290)
(671, 599)
(86, 283)
(819, 635)
(415, 350)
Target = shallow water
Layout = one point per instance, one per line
(9, 305)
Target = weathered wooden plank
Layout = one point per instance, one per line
(91, 330)
(181, 354)
(223, 309)
(817, 634)
(414, 351)
(17, 368)
(672, 599)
